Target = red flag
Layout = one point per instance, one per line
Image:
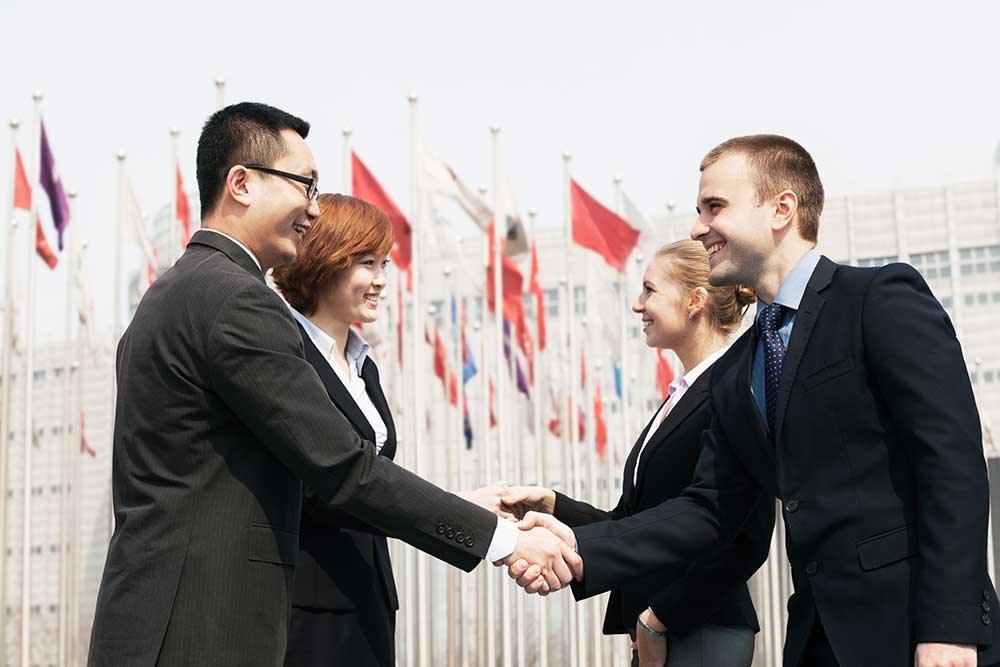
(597, 228)
(555, 428)
(42, 246)
(535, 288)
(583, 423)
(151, 263)
(600, 426)
(664, 374)
(183, 210)
(84, 447)
(364, 186)
(453, 389)
(440, 359)
(22, 191)
(493, 415)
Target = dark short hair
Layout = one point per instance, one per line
(244, 133)
(776, 164)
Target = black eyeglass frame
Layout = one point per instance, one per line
(312, 184)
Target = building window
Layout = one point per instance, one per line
(529, 305)
(989, 376)
(38, 375)
(947, 302)
(877, 261)
(983, 298)
(981, 260)
(970, 299)
(551, 302)
(932, 265)
(580, 300)
(58, 371)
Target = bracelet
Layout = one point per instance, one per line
(652, 633)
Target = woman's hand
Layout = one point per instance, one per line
(489, 497)
(652, 650)
(519, 500)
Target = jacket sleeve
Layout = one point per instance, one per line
(667, 539)
(320, 512)
(574, 512)
(691, 600)
(916, 364)
(257, 368)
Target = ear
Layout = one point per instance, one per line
(786, 209)
(697, 301)
(238, 186)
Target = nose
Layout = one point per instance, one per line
(379, 280)
(638, 306)
(313, 209)
(699, 230)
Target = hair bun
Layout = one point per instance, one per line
(745, 295)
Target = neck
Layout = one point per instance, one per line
(781, 263)
(699, 346)
(237, 228)
(332, 326)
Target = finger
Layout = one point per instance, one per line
(562, 571)
(529, 521)
(574, 561)
(520, 568)
(537, 587)
(552, 579)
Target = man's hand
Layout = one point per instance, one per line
(652, 650)
(562, 563)
(523, 499)
(945, 655)
(489, 497)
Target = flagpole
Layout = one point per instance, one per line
(346, 133)
(175, 240)
(565, 442)
(623, 364)
(540, 476)
(220, 92)
(499, 233)
(29, 371)
(117, 317)
(424, 614)
(456, 602)
(8, 339)
(68, 259)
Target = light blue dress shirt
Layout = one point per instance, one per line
(789, 295)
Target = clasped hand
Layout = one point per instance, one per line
(544, 559)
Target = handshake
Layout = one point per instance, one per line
(544, 558)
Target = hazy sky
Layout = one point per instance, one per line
(884, 94)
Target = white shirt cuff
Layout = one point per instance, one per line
(504, 540)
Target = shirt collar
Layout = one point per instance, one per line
(237, 242)
(691, 376)
(357, 346)
(795, 283)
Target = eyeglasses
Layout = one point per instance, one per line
(312, 184)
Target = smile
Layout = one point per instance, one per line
(300, 228)
(715, 247)
(371, 300)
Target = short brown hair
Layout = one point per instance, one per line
(347, 228)
(776, 164)
(686, 263)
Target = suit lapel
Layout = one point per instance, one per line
(690, 401)
(336, 389)
(740, 417)
(369, 373)
(628, 486)
(805, 319)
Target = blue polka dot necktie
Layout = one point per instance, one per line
(774, 357)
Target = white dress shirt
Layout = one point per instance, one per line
(505, 536)
(676, 391)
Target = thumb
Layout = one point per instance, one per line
(532, 520)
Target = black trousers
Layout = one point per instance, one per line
(357, 638)
(818, 651)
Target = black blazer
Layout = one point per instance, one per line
(343, 562)
(879, 464)
(714, 591)
(218, 418)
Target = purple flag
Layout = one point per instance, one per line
(53, 187)
(520, 378)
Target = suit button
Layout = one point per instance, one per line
(986, 619)
(469, 542)
(451, 533)
(791, 506)
(986, 606)
(986, 595)
(440, 528)
(459, 536)
(812, 567)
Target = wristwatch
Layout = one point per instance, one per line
(659, 634)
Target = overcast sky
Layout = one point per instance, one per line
(883, 94)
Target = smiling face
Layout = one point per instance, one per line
(353, 293)
(663, 307)
(282, 211)
(732, 225)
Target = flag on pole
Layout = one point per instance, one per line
(22, 191)
(599, 229)
(52, 184)
(493, 414)
(520, 378)
(134, 231)
(42, 246)
(617, 368)
(535, 288)
(469, 369)
(183, 210)
(440, 359)
(647, 240)
(453, 389)
(399, 321)
(364, 186)
(466, 424)
(84, 447)
(664, 374)
(600, 426)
